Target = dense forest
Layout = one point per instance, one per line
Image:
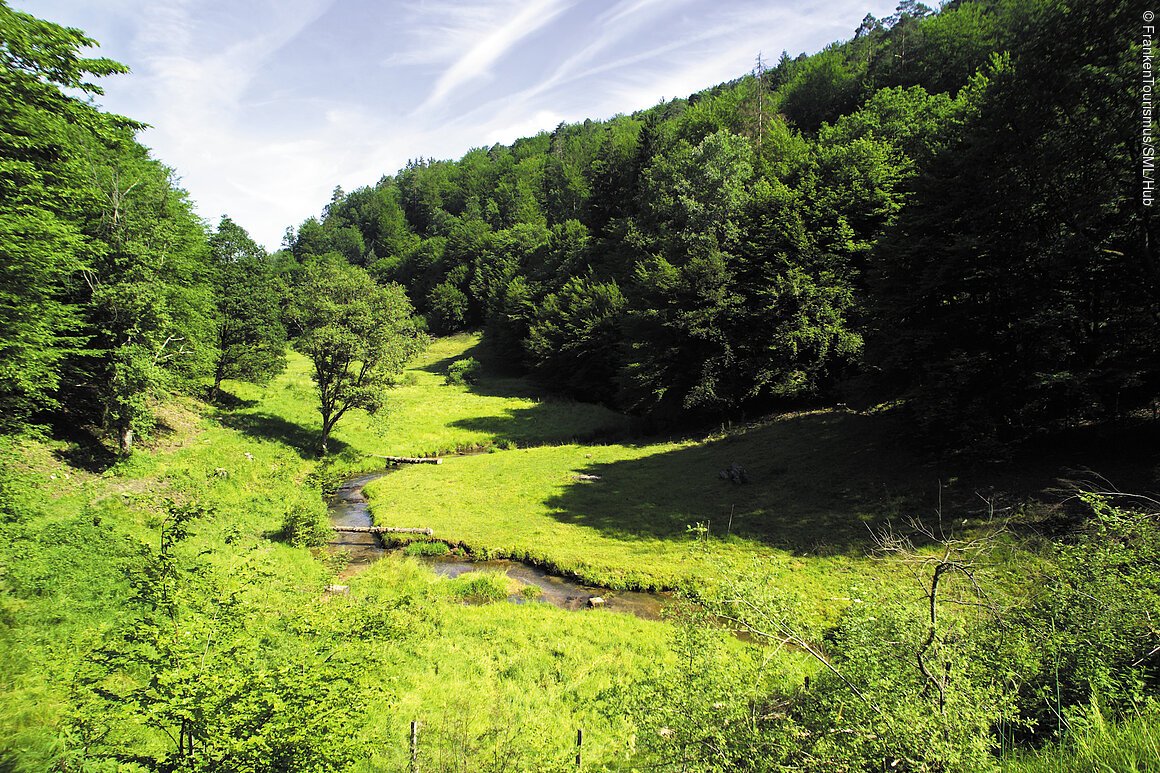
(943, 210)
(888, 219)
(930, 237)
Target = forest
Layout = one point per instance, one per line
(852, 361)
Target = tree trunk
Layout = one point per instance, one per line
(327, 426)
(125, 441)
(219, 373)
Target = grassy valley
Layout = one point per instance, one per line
(494, 684)
(851, 364)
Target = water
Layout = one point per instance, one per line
(348, 507)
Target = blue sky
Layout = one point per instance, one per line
(263, 106)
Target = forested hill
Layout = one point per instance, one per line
(945, 209)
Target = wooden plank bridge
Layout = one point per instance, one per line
(382, 530)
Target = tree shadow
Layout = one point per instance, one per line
(85, 451)
(266, 426)
(496, 379)
(824, 482)
(553, 421)
(478, 350)
(1110, 458)
(816, 483)
(227, 400)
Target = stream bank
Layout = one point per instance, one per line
(348, 507)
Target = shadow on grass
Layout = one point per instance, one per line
(822, 482)
(228, 400)
(478, 350)
(266, 426)
(495, 379)
(553, 421)
(85, 451)
(818, 483)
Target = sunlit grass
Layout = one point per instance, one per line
(422, 415)
(1098, 745)
(478, 672)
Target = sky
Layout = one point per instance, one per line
(262, 107)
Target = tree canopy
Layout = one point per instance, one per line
(357, 334)
(881, 220)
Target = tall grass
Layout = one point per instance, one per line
(1097, 744)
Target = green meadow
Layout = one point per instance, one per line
(494, 679)
(423, 415)
(479, 673)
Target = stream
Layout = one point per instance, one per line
(348, 507)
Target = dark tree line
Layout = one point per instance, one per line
(942, 209)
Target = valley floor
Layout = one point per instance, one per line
(158, 604)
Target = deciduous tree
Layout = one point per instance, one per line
(357, 334)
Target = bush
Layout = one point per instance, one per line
(448, 309)
(1094, 619)
(465, 371)
(306, 525)
(907, 690)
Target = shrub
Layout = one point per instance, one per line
(465, 371)
(306, 525)
(1093, 619)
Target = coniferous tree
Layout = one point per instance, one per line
(250, 338)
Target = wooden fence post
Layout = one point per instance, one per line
(414, 746)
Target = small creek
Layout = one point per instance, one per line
(348, 507)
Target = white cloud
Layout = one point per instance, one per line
(630, 8)
(493, 46)
(264, 106)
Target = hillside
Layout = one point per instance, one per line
(884, 220)
(178, 578)
(849, 365)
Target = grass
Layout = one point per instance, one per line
(618, 514)
(566, 486)
(423, 415)
(1098, 746)
(516, 677)
(526, 504)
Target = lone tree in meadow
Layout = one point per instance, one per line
(357, 334)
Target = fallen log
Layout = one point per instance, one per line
(410, 459)
(383, 530)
